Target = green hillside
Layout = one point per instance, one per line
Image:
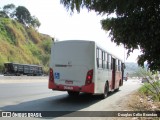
(21, 44)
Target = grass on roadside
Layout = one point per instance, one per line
(152, 90)
(147, 98)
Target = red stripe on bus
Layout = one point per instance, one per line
(85, 88)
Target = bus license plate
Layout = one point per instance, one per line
(68, 87)
(69, 82)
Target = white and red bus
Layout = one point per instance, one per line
(82, 66)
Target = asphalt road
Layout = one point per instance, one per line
(37, 97)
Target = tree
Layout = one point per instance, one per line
(23, 15)
(35, 22)
(20, 13)
(136, 25)
(9, 10)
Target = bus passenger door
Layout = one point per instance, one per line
(113, 72)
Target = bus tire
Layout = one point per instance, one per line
(116, 90)
(106, 91)
(73, 93)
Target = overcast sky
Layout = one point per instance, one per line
(58, 23)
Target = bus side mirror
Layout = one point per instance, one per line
(123, 66)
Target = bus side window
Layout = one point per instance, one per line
(106, 60)
(97, 57)
(100, 58)
(111, 62)
(103, 60)
(119, 65)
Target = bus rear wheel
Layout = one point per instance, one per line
(72, 93)
(106, 90)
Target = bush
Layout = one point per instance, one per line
(152, 88)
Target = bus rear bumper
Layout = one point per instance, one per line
(86, 88)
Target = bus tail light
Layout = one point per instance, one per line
(51, 76)
(89, 77)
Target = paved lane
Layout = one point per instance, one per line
(37, 97)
